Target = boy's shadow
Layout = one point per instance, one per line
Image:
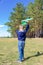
(36, 55)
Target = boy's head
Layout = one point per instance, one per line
(21, 27)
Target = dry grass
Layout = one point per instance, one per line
(9, 51)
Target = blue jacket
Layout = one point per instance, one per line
(22, 34)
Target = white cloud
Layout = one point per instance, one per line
(1, 26)
(4, 34)
(3, 31)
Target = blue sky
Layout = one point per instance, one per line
(5, 9)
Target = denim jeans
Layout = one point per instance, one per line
(21, 45)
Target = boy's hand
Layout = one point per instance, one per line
(27, 22)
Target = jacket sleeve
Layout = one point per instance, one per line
(27, 28)
(17, 32)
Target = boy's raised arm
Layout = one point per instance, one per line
(27, 27)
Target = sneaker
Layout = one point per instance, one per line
(22, 59)
(19, 61)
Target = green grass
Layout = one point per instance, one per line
(9, 51)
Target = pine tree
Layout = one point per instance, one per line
(16, 16)
(35, 11)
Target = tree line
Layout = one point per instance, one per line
(21, 12)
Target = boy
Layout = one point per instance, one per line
(21, 34)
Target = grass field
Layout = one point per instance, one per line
(9, 51)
